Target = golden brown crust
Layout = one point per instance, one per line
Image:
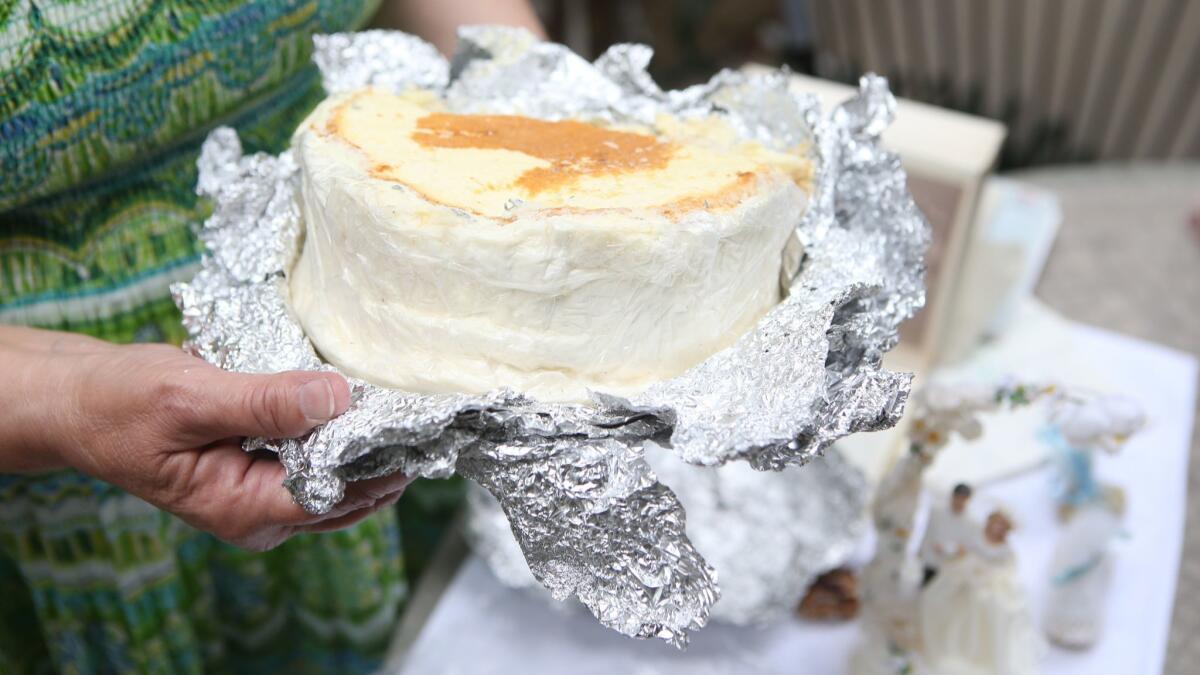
(573, 149)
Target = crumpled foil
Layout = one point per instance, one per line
(769, 535)
(588, 512)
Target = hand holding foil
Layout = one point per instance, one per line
(589, 514)
(157, 422)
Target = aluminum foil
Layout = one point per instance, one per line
(768, 534)
(589, 514)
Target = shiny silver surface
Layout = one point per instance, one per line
(590, 515)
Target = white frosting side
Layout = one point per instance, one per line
(407, 292)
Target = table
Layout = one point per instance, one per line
(478, 626)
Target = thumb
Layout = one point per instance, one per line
(282, 405)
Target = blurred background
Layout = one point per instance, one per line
(1053, 145)
(1068, 188)
(1072, 80)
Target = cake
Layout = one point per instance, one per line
(450, 252)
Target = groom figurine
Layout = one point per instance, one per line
(948, 533)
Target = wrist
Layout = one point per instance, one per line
(34, 434)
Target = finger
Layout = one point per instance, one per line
(352, 518)
(262, 493)
(284, 405)
(366, 493)
(236, 496)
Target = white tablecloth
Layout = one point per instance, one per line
(480, 627)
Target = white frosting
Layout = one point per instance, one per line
(457, 294)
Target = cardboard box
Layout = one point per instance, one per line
(947, 156)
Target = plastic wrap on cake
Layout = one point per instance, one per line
(591, 517)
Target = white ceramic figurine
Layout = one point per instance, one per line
(1091, 511)
(949, 532)
(975, 617)
(896, 610)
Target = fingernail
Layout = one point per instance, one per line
(317, 401)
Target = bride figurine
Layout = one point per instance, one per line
(891, 583)
(974, 616)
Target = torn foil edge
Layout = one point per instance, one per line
(807, 374)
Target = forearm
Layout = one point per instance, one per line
(438, 20)
(36, 397)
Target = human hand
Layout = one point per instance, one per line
(439, 20)
(167, 427)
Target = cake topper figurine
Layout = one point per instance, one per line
(966, 612)
(1091, 511)
(948, 532)
(974, 614)
(1077, 429)
(895, 611)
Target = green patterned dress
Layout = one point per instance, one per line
(103, 105)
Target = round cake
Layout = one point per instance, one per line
(448, 252)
